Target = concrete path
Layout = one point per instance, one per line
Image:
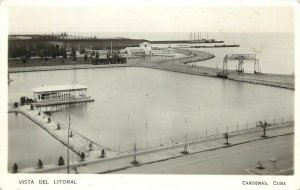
(235, 160)
(172, 159)
(77, 143)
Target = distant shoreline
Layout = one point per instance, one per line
(179, 65)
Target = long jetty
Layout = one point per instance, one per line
(78, 143)
(182, 65)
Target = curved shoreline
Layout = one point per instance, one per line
(180, 65)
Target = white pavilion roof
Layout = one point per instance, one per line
(53, 88)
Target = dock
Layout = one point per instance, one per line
(63, 102)
(78, 143)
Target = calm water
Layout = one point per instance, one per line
(28, 143)
(274, 50)
(135, 104)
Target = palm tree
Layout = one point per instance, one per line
(264, 126)
(226, 136)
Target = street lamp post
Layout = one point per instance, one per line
(68, 160)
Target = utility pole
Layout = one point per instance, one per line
(68, 160)
(111, 49)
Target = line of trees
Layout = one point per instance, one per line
(39, 49)
(42, 50)
(51, 37)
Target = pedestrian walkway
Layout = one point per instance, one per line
(168, 153)
(78, 143)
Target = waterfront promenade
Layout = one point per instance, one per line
(161, 160)
(180, 65)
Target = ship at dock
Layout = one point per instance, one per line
(194, 38)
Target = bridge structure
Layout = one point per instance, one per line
(241, 58)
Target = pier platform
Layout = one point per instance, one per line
(63, 102)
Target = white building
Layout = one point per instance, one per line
(163, 52)
(59, 92)
(146, 49)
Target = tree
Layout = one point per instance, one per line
(264, 126)
(103, 153)
(40, 164)
(61, 161)
(58, 127)
(185, 151)
(82, 156)
(226, 136)
(73, 54)
(63, 52)
(15, 168)
(85, 57)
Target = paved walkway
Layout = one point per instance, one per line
(235, 160)
(124, 163)
(77, 143)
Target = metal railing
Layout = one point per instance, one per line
(204, 134)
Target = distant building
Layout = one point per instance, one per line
(163, 52)
(101, 53)
(146, 49)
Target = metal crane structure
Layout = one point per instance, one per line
(241, 58)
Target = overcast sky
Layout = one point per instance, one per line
(109, 18)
